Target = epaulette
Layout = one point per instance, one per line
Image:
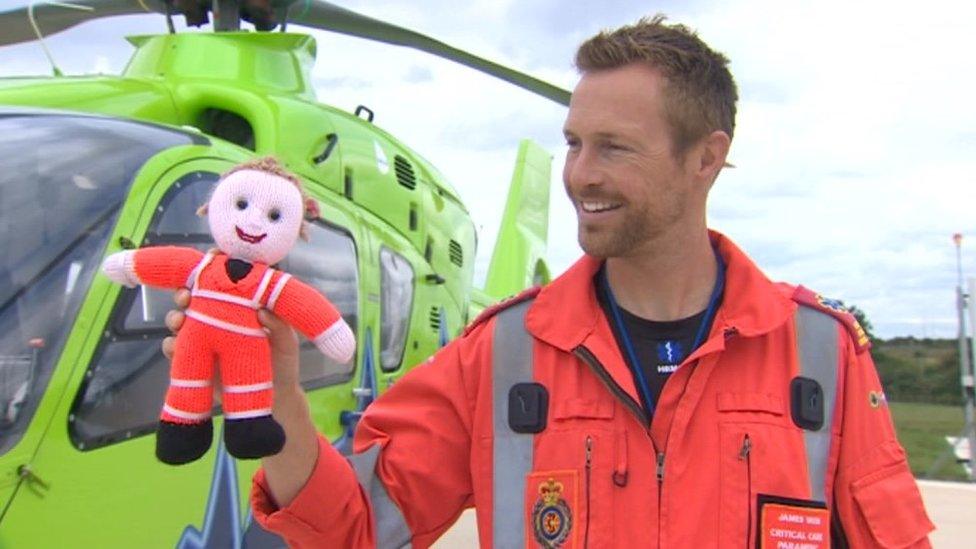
(501, 306)
(836, 309)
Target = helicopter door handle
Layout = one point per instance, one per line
(333, 139)
(34, 482)
(367, 110)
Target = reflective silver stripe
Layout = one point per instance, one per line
(818, 350)
(247, 414)
(194, 278)
(224, 325)
(248, 388)
(220, 296)
(265, 280)
(190, 383)
(391, 527)
(276, 292)
(192, 416)
(512, 452)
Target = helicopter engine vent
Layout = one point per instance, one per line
(404, 172)
(457, 253)
(435, 318)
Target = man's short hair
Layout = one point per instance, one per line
(699, 94)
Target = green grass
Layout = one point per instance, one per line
(922, 429)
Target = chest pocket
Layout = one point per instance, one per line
(760, 452)
(568, 495)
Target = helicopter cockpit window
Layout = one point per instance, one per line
(129, 375)
(63, 180)
(327, 262)
(396, 297)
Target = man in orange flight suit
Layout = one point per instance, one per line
(760, 420)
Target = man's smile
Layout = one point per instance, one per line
(598, 206)
(249, 237)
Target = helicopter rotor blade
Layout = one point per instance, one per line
(325, 16)
(53, 18)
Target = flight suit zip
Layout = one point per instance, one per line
(593, 363)
(590, 360)
(587, 473)
(745, 455)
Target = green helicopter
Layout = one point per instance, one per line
(90, 165)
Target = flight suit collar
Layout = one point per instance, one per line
(566, 313)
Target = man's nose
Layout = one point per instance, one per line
(581, 170)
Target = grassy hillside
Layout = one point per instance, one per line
(922, 429)
(919, 370)
(921, 380)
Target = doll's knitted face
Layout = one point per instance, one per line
(255, 216)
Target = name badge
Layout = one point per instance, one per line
(792, 524)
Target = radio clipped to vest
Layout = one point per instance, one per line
(807, 403)
(528, 407)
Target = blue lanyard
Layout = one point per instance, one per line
(643, 387)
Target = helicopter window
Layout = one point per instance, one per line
(396, 295)
(178, 220)
(129, 375)
(327, 262)
(63, 180)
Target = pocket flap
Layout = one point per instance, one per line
(586, 408)
(750, 402)
(891, 505)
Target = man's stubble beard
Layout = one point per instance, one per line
(617, 241)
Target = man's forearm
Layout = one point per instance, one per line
(287, 472)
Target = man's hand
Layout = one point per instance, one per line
(174, 320)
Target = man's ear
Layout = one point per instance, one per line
(714, 149)
(202, 210)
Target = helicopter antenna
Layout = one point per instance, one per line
(226, 15)
(169, 15)
(37, 30)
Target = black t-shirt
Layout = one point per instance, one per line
(660, 346)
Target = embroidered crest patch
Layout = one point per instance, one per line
(552, 512)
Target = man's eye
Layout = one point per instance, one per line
(241, 204)
(274, 215)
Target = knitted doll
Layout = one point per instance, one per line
(255, 214)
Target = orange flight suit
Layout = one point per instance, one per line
(722, 431)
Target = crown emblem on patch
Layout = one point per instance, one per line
(552, 519)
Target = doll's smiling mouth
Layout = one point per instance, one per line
(249, 237)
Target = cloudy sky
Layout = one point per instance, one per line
(855, 143)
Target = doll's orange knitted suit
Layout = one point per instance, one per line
(256, 213)
(222, 327)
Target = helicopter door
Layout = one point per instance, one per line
(100, 463)
(63, 180)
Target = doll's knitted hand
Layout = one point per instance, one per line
(120, 268)
(337, 342)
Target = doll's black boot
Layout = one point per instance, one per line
(179, 443)
(253, 438)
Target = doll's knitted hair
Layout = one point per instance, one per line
(270, 165)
